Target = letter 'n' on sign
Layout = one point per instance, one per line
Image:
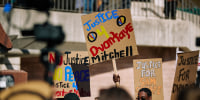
(51, 57)
(109, 35)
(185, 75)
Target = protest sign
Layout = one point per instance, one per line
(185, 75)
(148, 74)
(109, 34)
(72, 74)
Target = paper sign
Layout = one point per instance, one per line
(72, 72)
(148, 74)
(186, 70)
(109, 34)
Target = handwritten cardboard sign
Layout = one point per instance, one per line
(186, 70)
(72, 74)
(148, 74)
(109, 34)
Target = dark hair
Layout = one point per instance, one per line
(146, 90)
(114, 93)
(71, 96)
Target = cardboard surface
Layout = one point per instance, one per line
(186, 70)
(72, 75)
(109, 34)
(148, 74)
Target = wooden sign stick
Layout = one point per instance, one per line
(115, 71)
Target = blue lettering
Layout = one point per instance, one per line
(68, 71)
(115, 16)
(76, 75)
(106, 14)
(87, 23)
(101, 19)
(87, 75)
(104, 20)
(99, 16)
(74, 85)
(97, 22)
(82, 76)
(93, 25)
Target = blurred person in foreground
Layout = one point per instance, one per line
(114, 93)
(144, 94)
(71, 96)
(31, 90)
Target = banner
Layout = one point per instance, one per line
(109, 34)
(186, 71)
(148, 74)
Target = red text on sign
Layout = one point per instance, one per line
(111, 40)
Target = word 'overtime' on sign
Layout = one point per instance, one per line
(148, 74)
(185, 75)
(109, 35)
(72, 74)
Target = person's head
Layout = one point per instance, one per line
(114, 93)
(71, 96)
(144, 94)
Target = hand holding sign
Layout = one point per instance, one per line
(109, 35)
(116, 77)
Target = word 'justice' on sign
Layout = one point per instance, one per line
(185, 75)
(72, 74)
(148, 74)
(109, 34)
